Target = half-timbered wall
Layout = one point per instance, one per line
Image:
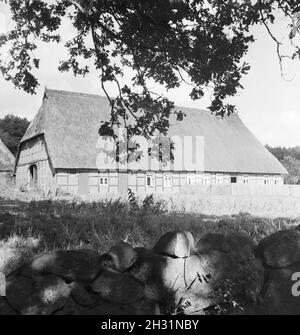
(157, 182)
(5, 177)
(94, 182)
(34, 153)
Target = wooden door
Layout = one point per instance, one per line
(83, 183)
(123, 183)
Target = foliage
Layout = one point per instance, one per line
(168, 42)
(133, 202)
(148, 206)
(281, 152)
(73, 224)
(293, 167)
(12, 129)
(99, 225)
(290, 159)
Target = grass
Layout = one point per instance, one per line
(271, 206)
(15, 250)
(28, 228)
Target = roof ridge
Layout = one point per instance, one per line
(89, 95)
(72, 93)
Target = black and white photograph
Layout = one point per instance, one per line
(149, 161)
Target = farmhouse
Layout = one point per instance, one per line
(6, 163)
(59, 151)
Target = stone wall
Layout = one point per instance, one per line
(221, 274)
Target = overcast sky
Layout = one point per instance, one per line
(269, 105)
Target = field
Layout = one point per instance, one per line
(31, 224)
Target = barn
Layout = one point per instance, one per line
(59, 152)
(7, 161)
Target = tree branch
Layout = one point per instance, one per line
(278, 44)
(78, 6)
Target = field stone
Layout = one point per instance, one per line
(122, 256)
(277, 297)
(145, 268)
(143, 253)
(254, 273)
(191, 241)
(207, 272)
(238, 245)
(153, 268)
(161, 275)
(19, 291)
(5, 309)
(169, 272)
(217, 272)
(178, 244)
(191, 278)
(42, 295)
(81, 296)
(118, 287)
(73, 265)
(195, 278)
(179, 283)
(72, 308)
(281, 249)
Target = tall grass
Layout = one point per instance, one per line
(65, 224)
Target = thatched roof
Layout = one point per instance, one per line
(7, 159)
(70, 122)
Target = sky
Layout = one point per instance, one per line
(269, 104)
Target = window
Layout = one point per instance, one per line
(191, 179)
(168, 181)
(206, 179)
(150, 180)
(246, 179)
(98, 183)
(266, 180)
(233, 180)
(104, 181)
(276, 181)
(219, 178)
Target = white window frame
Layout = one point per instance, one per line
(191, 179)
(207, 179)
(152, 180)
(246, 179)
(168, 181)
(266, 180)
(219, 178)
(104, 181)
